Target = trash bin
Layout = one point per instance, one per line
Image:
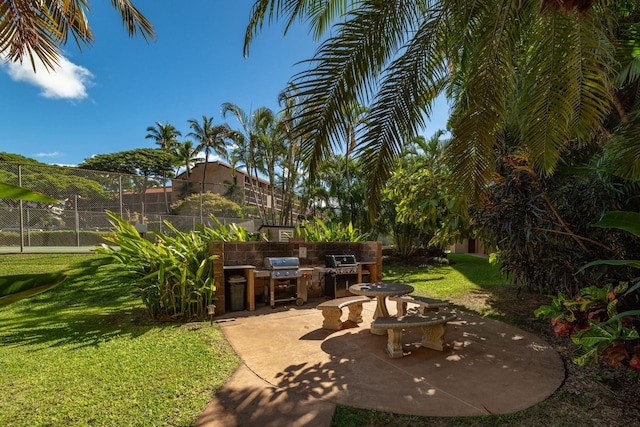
(237, 286)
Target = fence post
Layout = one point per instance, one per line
(75, 207)
(21, 214)
(120, 193)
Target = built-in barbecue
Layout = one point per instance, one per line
(340, 272)
(285, 280)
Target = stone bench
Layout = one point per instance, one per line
(426, 304)
(332, 310)
(434, 327)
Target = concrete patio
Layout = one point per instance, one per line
(294, 372)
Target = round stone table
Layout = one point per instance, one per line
(380, 290)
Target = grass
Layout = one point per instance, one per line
(83, 353)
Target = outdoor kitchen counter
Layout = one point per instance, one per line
(248, 272)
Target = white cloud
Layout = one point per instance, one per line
(66, 81)
(53, 154)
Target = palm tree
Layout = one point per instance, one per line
(292, 162)
(210, 137)
(248, 150)
(164, 135)
(188, 155)
(547, 75)
(42, 28)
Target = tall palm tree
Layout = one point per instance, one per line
(188, 155)
(40, 28)
(210, 138)
(544, 74)
(292, 162)
(248, 150)
(166, 136)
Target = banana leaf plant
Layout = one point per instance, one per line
(18, 287)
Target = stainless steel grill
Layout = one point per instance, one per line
(340, 272)
(285, 280)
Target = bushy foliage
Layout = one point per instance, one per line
(603, 321)
(173, 274)
(230, 233)
(212, 204)
(319, 231)
(543, 228)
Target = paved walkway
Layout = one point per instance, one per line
(294, 372)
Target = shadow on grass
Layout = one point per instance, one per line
(93, 305)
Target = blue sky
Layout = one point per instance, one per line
(104, 97)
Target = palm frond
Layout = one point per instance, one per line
(320, 14)
(567, 94)
(407, 90)
(483, 64)
(38, 29)
(344, 72)
(133, 20)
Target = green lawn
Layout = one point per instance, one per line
(83, 353)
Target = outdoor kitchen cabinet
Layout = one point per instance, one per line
(367, 272)
(247, 271)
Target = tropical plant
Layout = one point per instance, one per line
(247, 151)
(604, 322)
(42, 28)
(209, 137)
(339, 198)
(166, 136)
(188, 154)
(319, 231)
(291, 163)
(542, 225)
(173, 274)
(549, 75)
(230, 233)
(17, 287)
(418, 203)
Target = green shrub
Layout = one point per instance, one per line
(232, 233)
(172, 274)
(603, 321)
(212, 204)
(318, 231)
(542, 227)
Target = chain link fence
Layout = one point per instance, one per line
(80, 218)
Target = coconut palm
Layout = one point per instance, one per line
(188, 155)
(39, 28)
(210, 138)
(248, 150)
(545, 74)
(166, 136)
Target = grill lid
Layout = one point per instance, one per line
(282, 263)
(340, 260)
